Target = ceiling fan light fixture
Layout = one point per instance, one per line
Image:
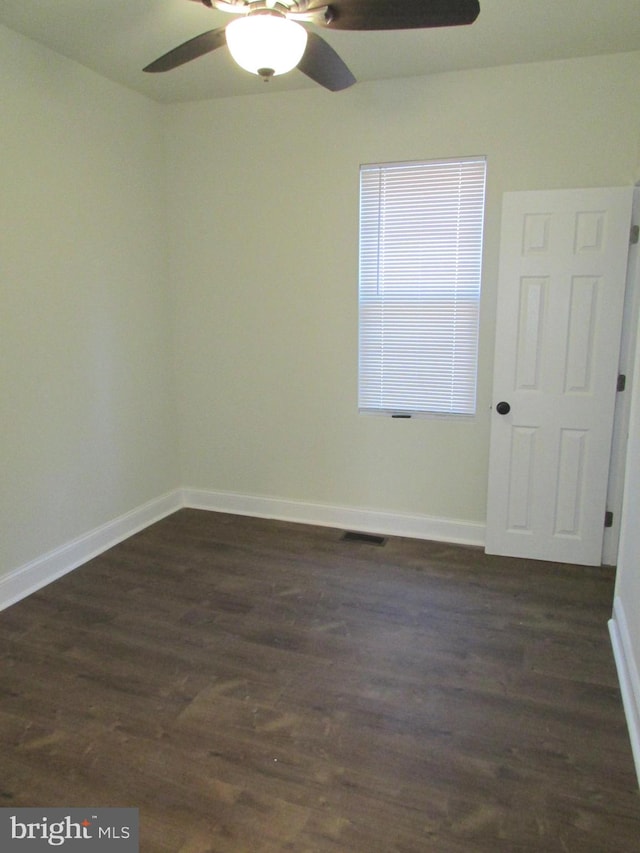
(266, 44)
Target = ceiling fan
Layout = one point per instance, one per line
(267, 36)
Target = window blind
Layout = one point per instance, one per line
(421, 228)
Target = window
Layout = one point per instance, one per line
(420, 269)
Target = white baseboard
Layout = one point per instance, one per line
(26, 579)
(346, 518)
(628, 676)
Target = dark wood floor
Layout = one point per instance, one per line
(258, 686)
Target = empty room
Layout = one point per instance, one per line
(320, 426)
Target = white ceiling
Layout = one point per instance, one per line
(117, 38)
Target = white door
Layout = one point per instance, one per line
(563, 260)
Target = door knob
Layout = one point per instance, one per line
(503, 408)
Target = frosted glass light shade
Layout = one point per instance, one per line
(266, 44)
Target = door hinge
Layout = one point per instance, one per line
(608, 518)
(622, 382)
(634, 236)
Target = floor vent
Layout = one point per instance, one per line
(368, 538)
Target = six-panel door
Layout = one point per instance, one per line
(560, 298)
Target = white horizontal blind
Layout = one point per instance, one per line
(420, 269)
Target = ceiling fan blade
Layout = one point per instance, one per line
(321, 63)
(400, 14)
(192, 49)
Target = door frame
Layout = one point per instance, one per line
(629, 341)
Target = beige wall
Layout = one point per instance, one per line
(264, 229)
(261, 248)
(86, 418)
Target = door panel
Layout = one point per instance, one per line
(560, 299)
